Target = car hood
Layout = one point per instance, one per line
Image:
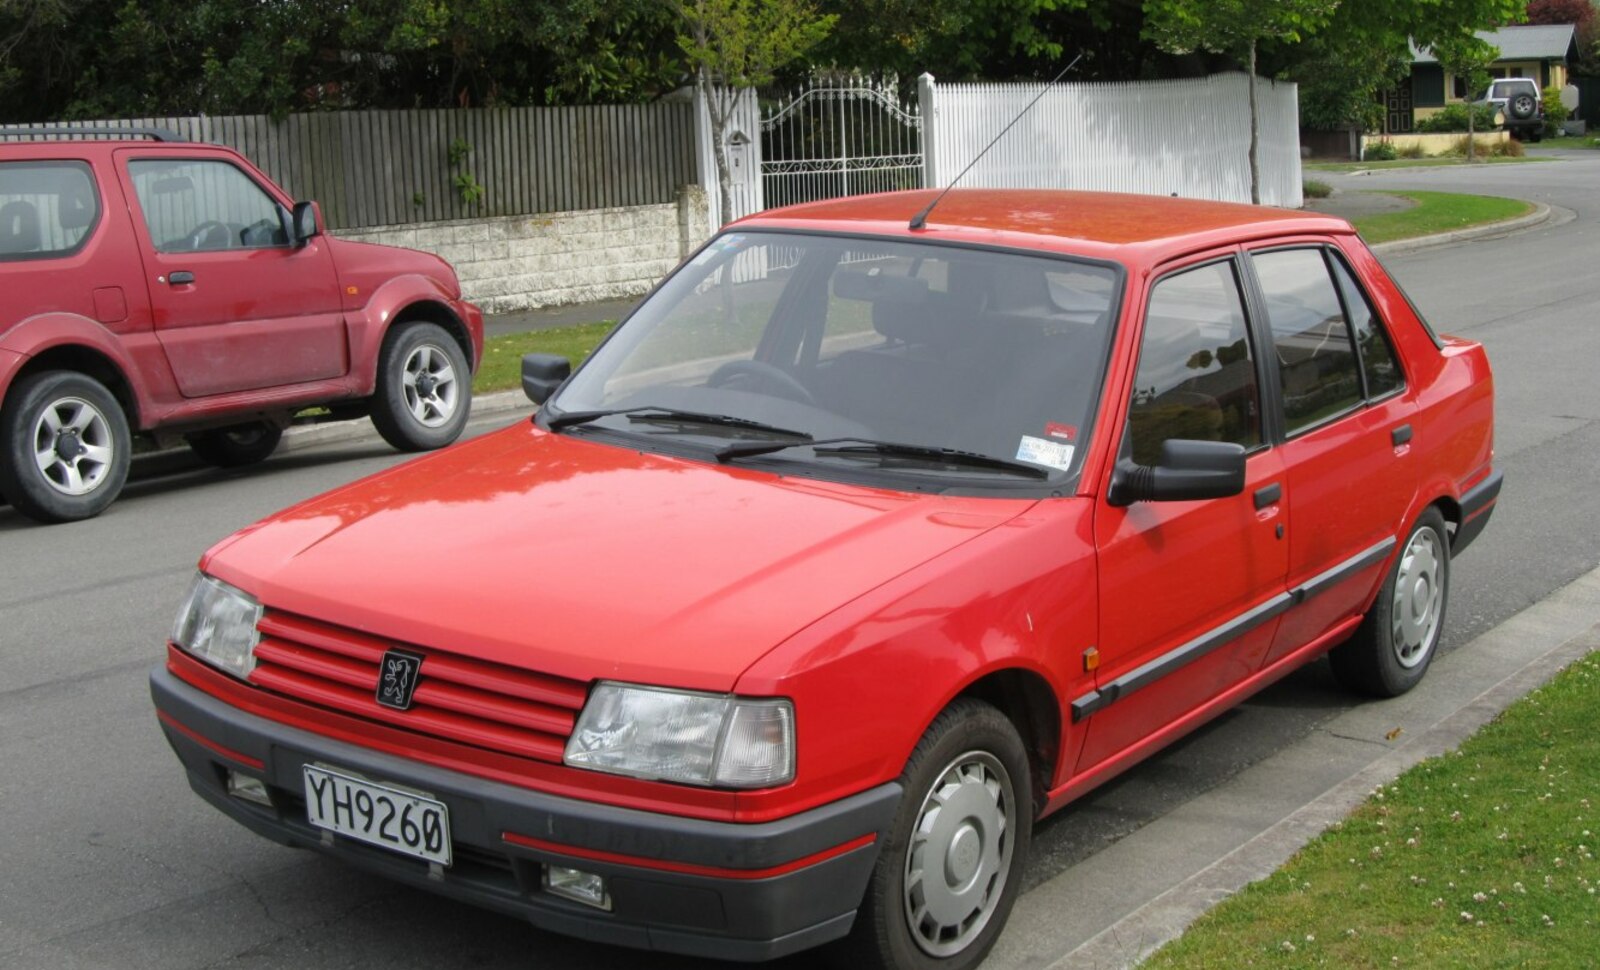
(587, 560)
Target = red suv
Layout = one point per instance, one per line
(169, 288)
(857, 548)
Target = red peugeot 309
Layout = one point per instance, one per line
(857, 548)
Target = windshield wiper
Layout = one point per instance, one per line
(885, 449)
(652, 412)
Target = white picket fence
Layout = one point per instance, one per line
(1189, 138)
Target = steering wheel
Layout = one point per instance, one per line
(200, 238)
(755, 373)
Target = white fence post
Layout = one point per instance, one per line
(929, 107)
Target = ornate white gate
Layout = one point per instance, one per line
(841, 135)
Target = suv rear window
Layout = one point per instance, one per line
(46, 209)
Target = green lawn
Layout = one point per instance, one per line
(502, 356)
(1571, 141)
(1436, 212)
(1482, 858)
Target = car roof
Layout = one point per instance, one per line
(1124, 227)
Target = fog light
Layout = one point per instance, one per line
(248, 788)
(587, 888)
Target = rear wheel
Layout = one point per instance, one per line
(951, 866)
(424, 388)
(1391, 650)
(236, 446)
(64, 447)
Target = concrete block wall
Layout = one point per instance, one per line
(509, 263)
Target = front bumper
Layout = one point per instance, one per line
(710, 889)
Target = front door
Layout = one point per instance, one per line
(1190, 591)
(236, 305)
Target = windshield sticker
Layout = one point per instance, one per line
(1042, 451)
(1062, 432)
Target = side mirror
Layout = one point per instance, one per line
(542, 374)
(303, 223)
(1188, 470)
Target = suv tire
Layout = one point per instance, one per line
(236, 446)
(1521, 106)
(64, 447)
(424, 388)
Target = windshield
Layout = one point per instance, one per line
(780, 348)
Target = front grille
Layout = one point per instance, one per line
(474, 702)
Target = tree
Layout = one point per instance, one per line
(1235, 27)
(1582, 14)
(1468, 57)
(735, 45)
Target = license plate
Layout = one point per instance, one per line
(406, 822)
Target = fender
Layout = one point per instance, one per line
(137, 357)
(1041, 612)
(369, 324)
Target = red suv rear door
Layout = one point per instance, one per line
(237, 306)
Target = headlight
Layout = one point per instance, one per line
(217, 623)
(696, 739)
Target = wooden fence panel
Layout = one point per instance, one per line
(384, 168)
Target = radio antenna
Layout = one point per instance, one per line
(920, 220)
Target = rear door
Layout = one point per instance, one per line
(236, 306)
(1347, 436)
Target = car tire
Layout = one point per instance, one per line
(64, 447)
(424, 391)
(236, 446)
(971, 762)
(1391, 650)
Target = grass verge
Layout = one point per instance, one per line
(1437, 212)
(1412, 163)
(1484, 857)
(1571, 141)
(502, 356)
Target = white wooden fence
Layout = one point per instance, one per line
(1189, 138)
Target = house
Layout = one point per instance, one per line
(1539, 52)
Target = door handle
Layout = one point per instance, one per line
(178, 277)
(1400, 435)
(1268, 495)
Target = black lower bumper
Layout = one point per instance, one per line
(1477, 504)
(711, 889)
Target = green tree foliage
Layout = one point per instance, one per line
(953, 39)
(1236, 27)
(734, 45)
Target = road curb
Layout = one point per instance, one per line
(485, 407)
(1564, 617)
(1539, 216)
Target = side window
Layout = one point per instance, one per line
(46, 208)
(204, 205)
(1197, 375)
(1317, 368)
(1377, 354)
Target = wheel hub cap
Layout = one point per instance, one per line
(1418, 598)
(431, 387)
(72, 446)
(959, 855)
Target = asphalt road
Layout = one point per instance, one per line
(109, 861)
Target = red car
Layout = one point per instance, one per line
(853, 551)
(168, 288)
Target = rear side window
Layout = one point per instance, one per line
(46, 209)
(203, 205)
(1378, 364)
(1197, 374)
(1317, 368)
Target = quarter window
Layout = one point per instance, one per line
(204, 205)
(1197, 374)
(46, 208)
(1378, 364)
(1317, 369)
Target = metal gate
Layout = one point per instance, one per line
(842, 135)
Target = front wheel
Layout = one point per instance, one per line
(236, 446)
(951, 866)
(1391, 650)
(424, 388)
(64, 447)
